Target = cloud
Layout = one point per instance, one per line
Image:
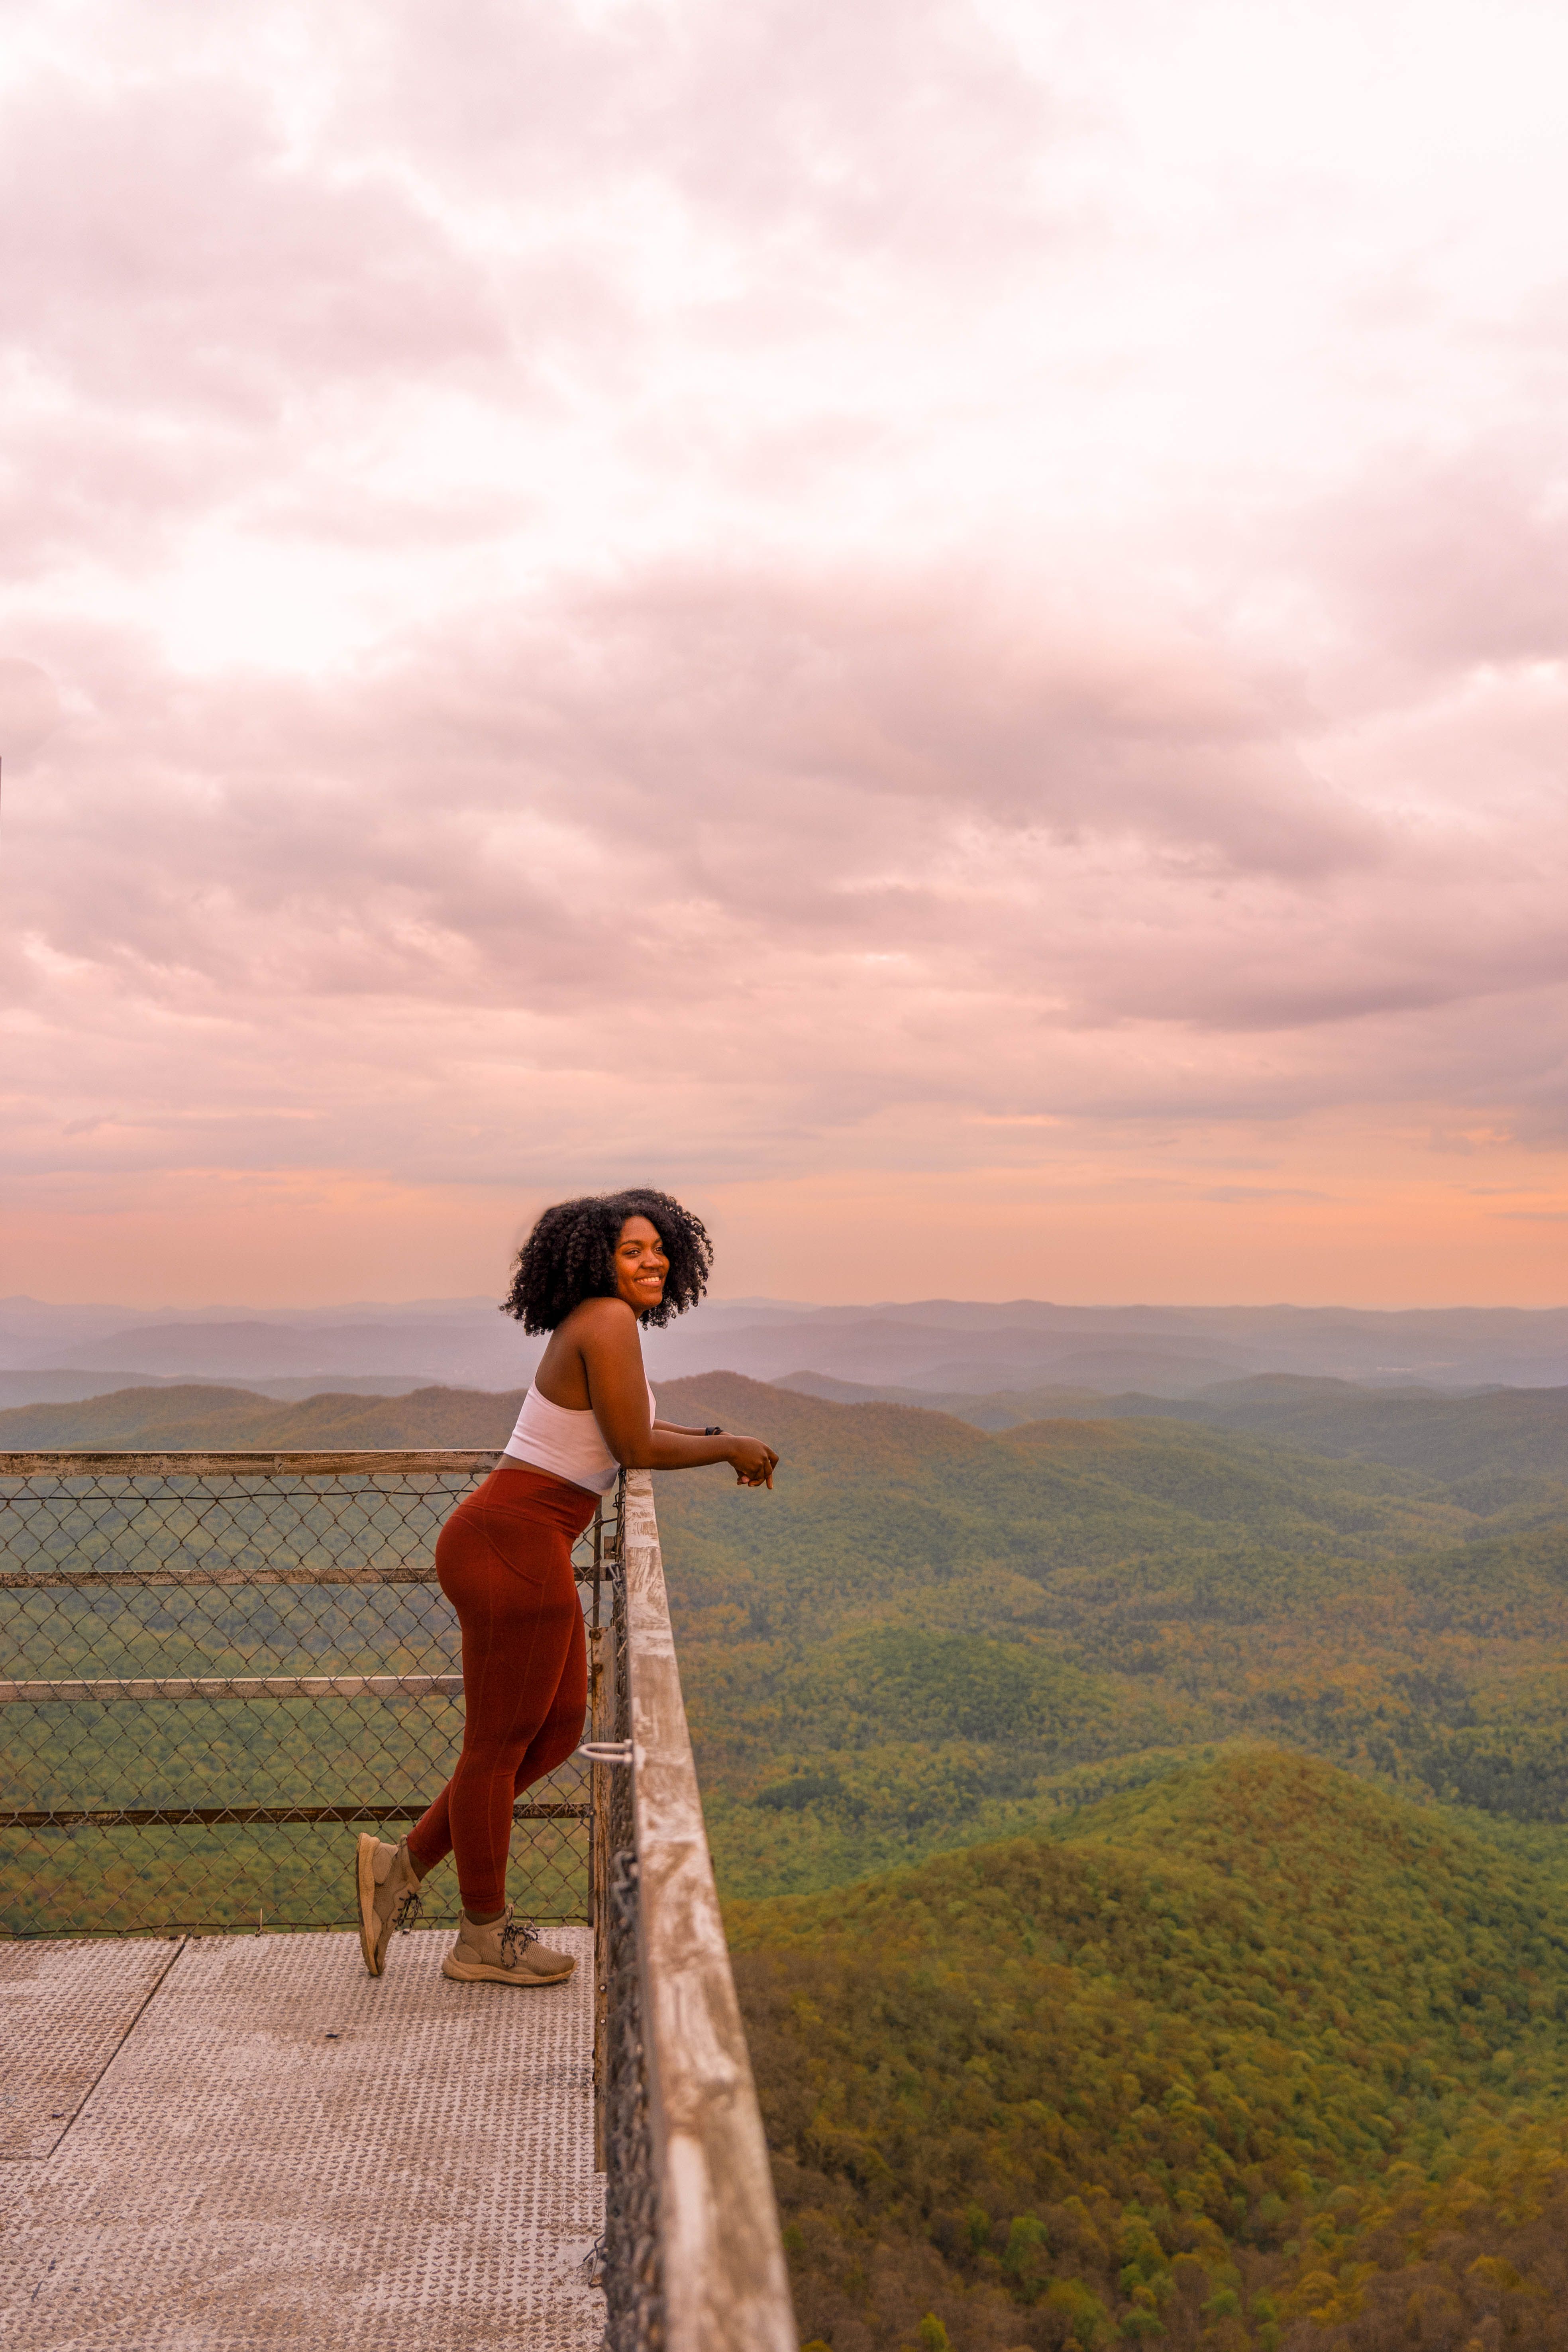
(884, 132)
(924, 857)
(1455, 559)
(30, 708)
(159, 247)
(773, 593)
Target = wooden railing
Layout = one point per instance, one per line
(724, 2281)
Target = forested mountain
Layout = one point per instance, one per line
(1258, 2056)
(143, 1419)
(1146, 1844)
(1504, 1432)
(927, 1633)
(1255, 2051)
(1501, 1432)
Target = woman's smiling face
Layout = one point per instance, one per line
(641, 1264)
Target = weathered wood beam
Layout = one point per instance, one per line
(129, 1578)
(142, 1687)
(725, 2283)
(432, 1460)
(141, 1817)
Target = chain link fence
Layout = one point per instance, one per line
(631, 2262)
(633, 2271)
(212, 1664)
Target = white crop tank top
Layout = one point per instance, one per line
(567, 1442)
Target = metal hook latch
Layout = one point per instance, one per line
(606, 1751)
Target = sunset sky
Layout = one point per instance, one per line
(940, 627)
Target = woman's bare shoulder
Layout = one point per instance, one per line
(600, 1318)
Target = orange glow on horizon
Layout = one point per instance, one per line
(1310, 1228)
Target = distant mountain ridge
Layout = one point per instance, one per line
(235, 1420)
(1500, 1434)
(946, 1346)
(468, 1342)
(227, 1349)
(956, 1347)
(1502, 1430)
(51, 1386)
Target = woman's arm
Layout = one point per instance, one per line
(606, 1333)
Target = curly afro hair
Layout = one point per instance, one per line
(569, 1255)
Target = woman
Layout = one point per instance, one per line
(589, 1273)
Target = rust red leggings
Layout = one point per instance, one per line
(504, 1559)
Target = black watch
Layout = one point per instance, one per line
(714, 1432)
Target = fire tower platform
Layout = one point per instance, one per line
(217, 2143)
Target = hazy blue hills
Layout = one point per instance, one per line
(208, 1416)
(423, 1341)
(1502, 1433)
(45, 1386)
(964, 1345)
(1498, 1435)
(933, 1345)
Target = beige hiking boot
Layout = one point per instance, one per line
(505, 1952)
(388, 1895)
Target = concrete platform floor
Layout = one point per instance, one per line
(241, 2141)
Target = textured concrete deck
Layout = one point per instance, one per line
(246, 2141)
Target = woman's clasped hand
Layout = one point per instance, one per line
(754, 1463)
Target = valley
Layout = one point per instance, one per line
(1144, 1840)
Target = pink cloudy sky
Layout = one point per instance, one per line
(940, 627)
